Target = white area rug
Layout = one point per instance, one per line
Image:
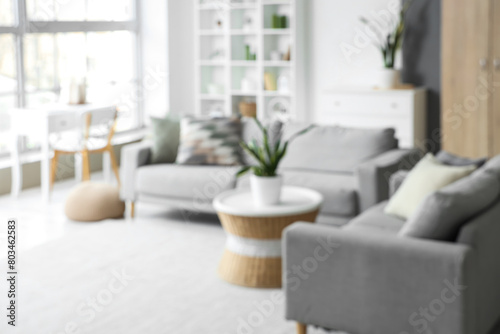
(70, 285)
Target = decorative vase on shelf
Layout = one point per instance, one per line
(250, 53)
(248, 85)
(266, 190)
(388, 78)
(275, 55)
(270, 83)
(283, 84)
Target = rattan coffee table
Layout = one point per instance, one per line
(252, 256)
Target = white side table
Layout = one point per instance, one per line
(253, 249)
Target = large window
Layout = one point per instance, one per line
(44, 44)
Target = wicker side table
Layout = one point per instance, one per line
(252, 256)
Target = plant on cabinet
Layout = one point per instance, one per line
(389, 44)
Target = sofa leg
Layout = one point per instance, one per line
(301, 328)
(132, 209)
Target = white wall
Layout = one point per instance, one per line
(329, 24)
(333, 25)
(155, 81)
(181, 56)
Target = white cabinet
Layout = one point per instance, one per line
(403, 110)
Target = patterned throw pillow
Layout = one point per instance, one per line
(214, 141)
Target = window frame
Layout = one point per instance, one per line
(23, 26)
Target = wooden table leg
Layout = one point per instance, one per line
(106, 167)
(132, 209)
(114, 165)
(301, 328)
(53, 169)
(85, 165)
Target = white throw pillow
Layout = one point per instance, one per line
(428, 176)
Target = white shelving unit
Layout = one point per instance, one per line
(224, 29)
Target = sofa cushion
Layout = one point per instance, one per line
(426, 177)
(199, 183)
(375, 220)
(334, 148)
(493, 166)
(450, 159)
(210, 141)
(339, 190)
(442, 214)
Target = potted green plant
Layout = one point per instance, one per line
(389, 45)
(265, 182)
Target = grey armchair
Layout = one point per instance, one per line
(365, 279)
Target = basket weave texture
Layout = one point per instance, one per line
(262, 227)
(257, 272)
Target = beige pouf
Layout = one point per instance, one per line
(90, 202)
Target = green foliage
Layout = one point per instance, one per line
(394, 39)
(268, 157)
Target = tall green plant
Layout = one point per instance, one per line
(267, 155)
(394, 39)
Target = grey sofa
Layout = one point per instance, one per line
(365, 279)
(350, 167)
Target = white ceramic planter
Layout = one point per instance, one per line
(266, 190)
(389, 78)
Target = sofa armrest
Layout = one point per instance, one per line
(133, 156)
(373, 175)
(376, 283)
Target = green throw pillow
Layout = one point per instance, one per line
(166, 133)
